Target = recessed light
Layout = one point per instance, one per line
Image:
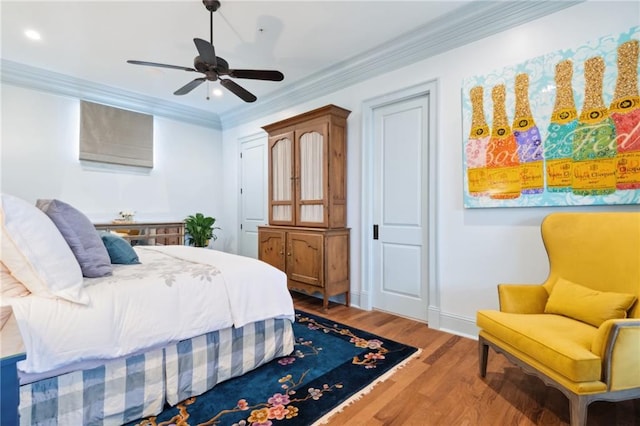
(217, 92)
(32, 34)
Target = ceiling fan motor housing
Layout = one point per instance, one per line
(211, 5)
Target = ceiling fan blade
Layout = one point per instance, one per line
(154, 64)
(206, 51)
(238, 90)
(190, 86)
(257, 74)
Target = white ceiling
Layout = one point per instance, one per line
(92, 40)
(320, 46)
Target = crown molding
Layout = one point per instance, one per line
(452, 30)
(22, 75)
(455, 29)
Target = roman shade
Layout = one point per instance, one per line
(117, 136)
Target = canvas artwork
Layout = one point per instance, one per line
(561, 129)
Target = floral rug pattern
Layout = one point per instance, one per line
(330, 363)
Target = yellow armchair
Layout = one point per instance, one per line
(579, 331)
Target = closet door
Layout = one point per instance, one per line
(281, 180)
(312, 176)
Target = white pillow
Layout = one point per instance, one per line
(36, 253)
(10, 287)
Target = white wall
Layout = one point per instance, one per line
(479, 248)
(39, 158)
(476, 249)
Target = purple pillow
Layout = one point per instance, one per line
(82, 237)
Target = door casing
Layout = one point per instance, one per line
(364, 297)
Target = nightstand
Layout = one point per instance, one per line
(11, 352)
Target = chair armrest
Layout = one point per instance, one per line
(617, 343)
(522, 298)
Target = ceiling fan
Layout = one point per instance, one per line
(214, 67)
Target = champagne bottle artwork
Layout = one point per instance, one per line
(528, 139)
(625, 112)
(558, 145)
(503, 164)
(594, 144)
(476, 148)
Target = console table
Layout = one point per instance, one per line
(147, 233)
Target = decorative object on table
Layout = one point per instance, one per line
(126, 216)
(575, 114)
(332, 365)
(200, 229)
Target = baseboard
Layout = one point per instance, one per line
(457, 324)
(437, 320)
(356, 300)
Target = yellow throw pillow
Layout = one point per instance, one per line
(587, 305)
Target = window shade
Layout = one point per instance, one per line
(117, 136)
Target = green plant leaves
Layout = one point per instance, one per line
(200, 229)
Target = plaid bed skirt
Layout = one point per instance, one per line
(196, 365)
(128, 389)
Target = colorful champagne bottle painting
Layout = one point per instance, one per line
(558, 146)
(476, 148)
(574, 137)
(530, 149)
(594, 146)
(503, 163)
(625, 112)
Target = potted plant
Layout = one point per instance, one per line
(200, 229)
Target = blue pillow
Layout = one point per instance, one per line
(120, 251)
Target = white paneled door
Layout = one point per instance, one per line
(400, 276)
(253, 192)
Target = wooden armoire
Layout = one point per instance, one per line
(307, 236)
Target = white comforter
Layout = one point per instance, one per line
(177, 292)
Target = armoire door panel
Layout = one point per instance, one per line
(305, 258)
(312, 175)
(272, 248)
(281, 179)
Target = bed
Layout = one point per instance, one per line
(116, 347)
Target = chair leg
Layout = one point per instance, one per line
(483, 356)
(578, 406)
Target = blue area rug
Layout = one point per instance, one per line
(331, 364)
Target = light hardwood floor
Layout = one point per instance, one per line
(442, 386)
